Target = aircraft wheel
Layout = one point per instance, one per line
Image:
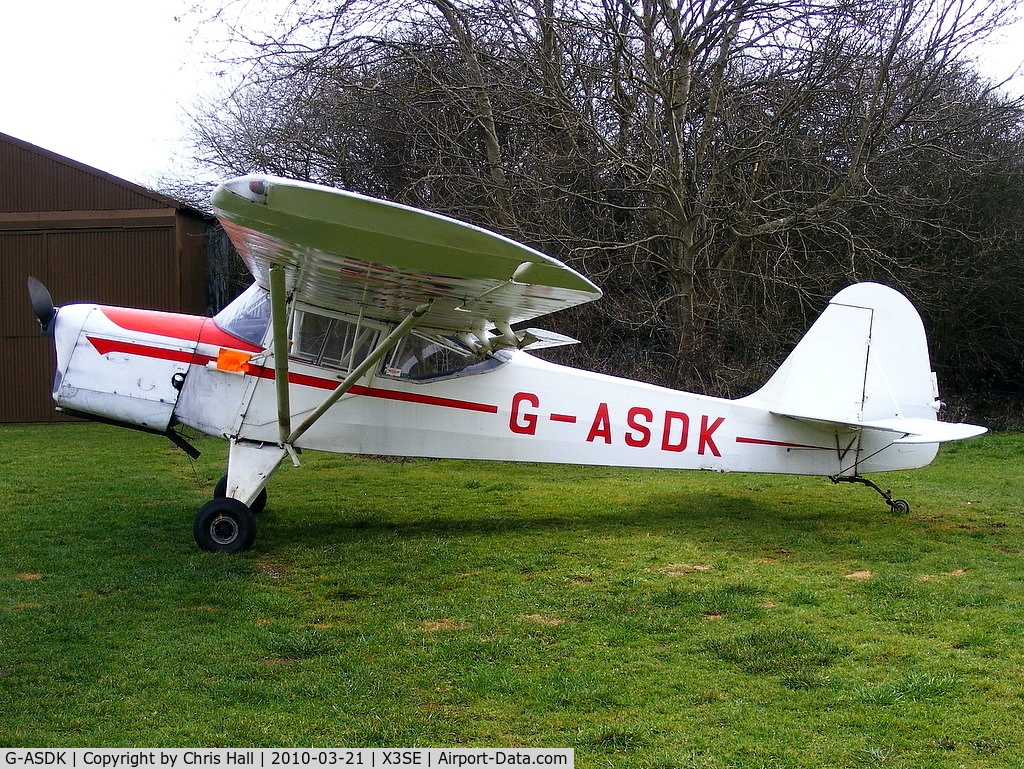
(900, 506)
(224, 525)
(258, 505)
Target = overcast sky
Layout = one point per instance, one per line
(108, 82)
(104, 82)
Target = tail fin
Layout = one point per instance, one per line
(864, 364)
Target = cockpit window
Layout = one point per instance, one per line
(248, 316)
(343, 343)
(421, 356)
(331, 342)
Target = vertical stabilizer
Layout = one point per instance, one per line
(865, 360)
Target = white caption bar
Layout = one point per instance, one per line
(286, 758)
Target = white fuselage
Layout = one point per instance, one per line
(155, 370)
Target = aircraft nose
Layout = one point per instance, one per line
(42, 305)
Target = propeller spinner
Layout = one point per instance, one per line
(42, 305)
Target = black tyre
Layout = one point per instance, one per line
(258, 505)
(224, 525)
(900, 506)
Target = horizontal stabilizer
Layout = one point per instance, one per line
(925, 430)
(910, 430)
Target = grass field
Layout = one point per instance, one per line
(647, 619)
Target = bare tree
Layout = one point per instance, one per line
(720, 166)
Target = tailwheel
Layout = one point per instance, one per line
(258, 505)
(898, 506)
(224, 525)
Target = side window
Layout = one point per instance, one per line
(348, 344)
(331, 342)
(422, 357)
(309, 333)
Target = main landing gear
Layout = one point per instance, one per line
(226, 525)
(898, 506)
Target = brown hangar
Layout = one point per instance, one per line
(89, 237)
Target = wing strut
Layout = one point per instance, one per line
(279, 324)
(356, 374)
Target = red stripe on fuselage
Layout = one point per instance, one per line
(428, 400)
(782, 444)
(376, 392)
(105, 346)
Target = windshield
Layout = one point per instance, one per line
(248, 316)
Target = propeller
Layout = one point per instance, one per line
(42, 305)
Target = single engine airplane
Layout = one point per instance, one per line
(376, 328)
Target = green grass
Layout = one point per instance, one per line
(647, 619)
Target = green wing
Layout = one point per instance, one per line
(349, 253)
